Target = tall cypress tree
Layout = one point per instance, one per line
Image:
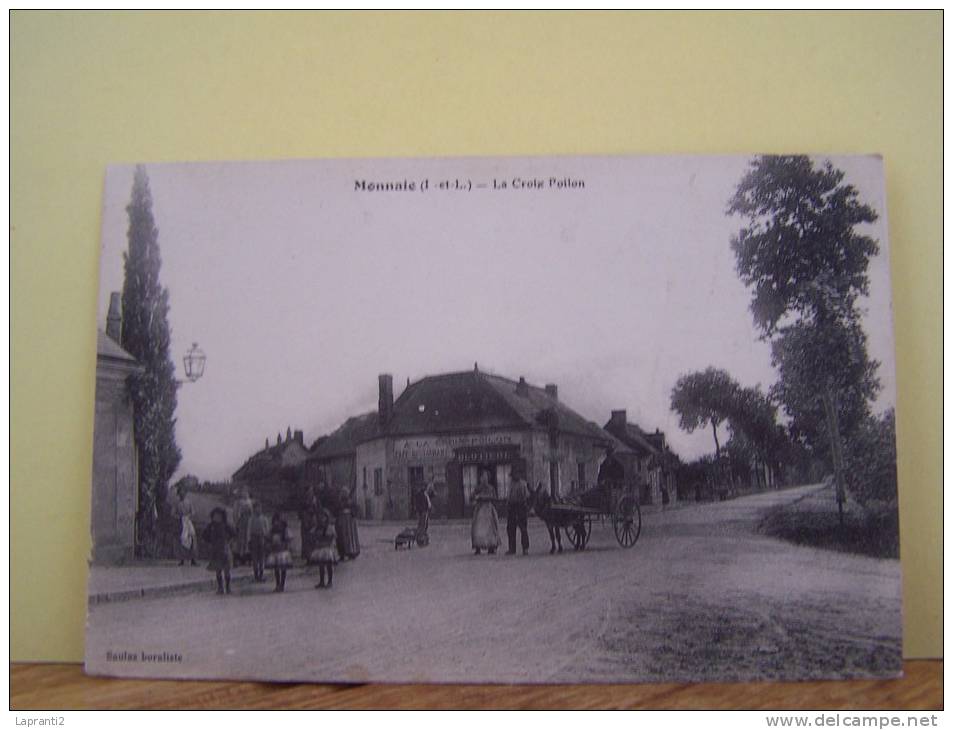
(146, 336)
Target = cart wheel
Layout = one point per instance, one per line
(627, 521)
(578, 532)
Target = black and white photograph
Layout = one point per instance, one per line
(496, 420)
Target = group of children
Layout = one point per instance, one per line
(269, 545)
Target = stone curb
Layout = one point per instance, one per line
(173, 589)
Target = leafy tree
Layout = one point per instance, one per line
(812, 362)
(146, 336)
(755, 429)
(872, 461)
(704, 398)
(799, 249)
(801, 254)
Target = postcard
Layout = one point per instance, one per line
(495, 420)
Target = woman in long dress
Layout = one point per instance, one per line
(349, 546)
(485, 528)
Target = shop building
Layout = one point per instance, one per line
(445, 430)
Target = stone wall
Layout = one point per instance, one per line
(115, 475)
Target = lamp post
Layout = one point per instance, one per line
(194, 363)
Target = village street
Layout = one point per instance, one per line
(701, 595)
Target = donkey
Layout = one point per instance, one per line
(541, 502)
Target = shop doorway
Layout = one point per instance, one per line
(463, 475)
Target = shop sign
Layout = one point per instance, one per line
(442, 448)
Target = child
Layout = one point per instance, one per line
(279, 552)
(323, 554)
(258, 530)
(218, 533)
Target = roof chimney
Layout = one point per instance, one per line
(552, 391)
(299, 436)
(618, 419)
(278, 440)
(385, 398)
(114, 318)
(522, 388)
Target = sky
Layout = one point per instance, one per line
(301, 287)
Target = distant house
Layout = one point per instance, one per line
(332, 461)
(273, 475)
(115, 487)
(641, 460)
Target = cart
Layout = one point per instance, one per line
(605, 502)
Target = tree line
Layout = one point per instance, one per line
(802, 253)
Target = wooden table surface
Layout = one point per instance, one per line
(64, 686)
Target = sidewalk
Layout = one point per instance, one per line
(108, 584)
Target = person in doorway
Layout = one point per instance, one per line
(485, 527)
(219, 535)
(183, 511)
(516, 512)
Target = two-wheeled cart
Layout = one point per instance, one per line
(605, 502)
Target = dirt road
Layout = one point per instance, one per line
(700, 596)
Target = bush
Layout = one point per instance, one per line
(871, 462)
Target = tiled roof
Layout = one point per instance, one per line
(451, 402)
(264, 463)
(535, 406)
(109, 348)
(632, 437)
(472, 399)
(344, 440)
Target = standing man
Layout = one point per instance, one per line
(516, 510)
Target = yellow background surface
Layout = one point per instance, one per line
(91, 89)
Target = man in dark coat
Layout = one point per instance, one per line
(422, 505)
(516, 512)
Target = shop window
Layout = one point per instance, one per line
(378, 482)
(502, 480)
(471, 478)
(415, 475)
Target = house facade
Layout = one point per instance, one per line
(640, 459)
(331, 463)
(445, 430)
(115, 487)
(274, 474)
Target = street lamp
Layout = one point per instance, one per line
(194, 362)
